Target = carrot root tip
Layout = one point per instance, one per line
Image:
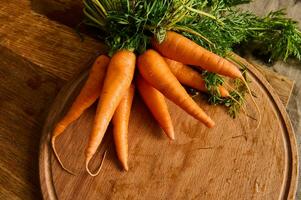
(172, 137)
(210, 123)
(100, 166)
(58, 158)
(253, 100)
(170, 134)
(126, 167)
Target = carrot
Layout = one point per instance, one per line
(223, 91)
(87, 96)
(155, 101)
(181, 49)
(154, 69)
(187, 76)
(120, 122)
(118, 79)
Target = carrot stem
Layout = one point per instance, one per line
(201, 13)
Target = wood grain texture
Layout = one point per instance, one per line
(37, 56)
(283, 86)
(55, 48)
(25, 93)
(201, 163)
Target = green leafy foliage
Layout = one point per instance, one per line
(215, 24)
(277, 35)
(127, 24)
(212, 82)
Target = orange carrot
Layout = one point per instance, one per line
(87, 96)
(181, 49)
(118, 79)
(154, 70)
(187, 76)
(155, 101)
(177, 47)
(120, 122)
(223, 91)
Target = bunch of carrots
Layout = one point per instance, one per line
(161, 72)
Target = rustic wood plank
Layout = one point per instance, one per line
(36, 55)
(26, 92)
(54, 47)
(67, 12)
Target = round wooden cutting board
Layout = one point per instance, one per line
(230, 161)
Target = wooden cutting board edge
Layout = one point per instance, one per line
(47, 185)
(290, 139)
(48, 190)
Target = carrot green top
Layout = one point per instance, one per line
(217, 25)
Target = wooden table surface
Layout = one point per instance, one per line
(37, 57)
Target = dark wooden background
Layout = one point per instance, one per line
(38, 56)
